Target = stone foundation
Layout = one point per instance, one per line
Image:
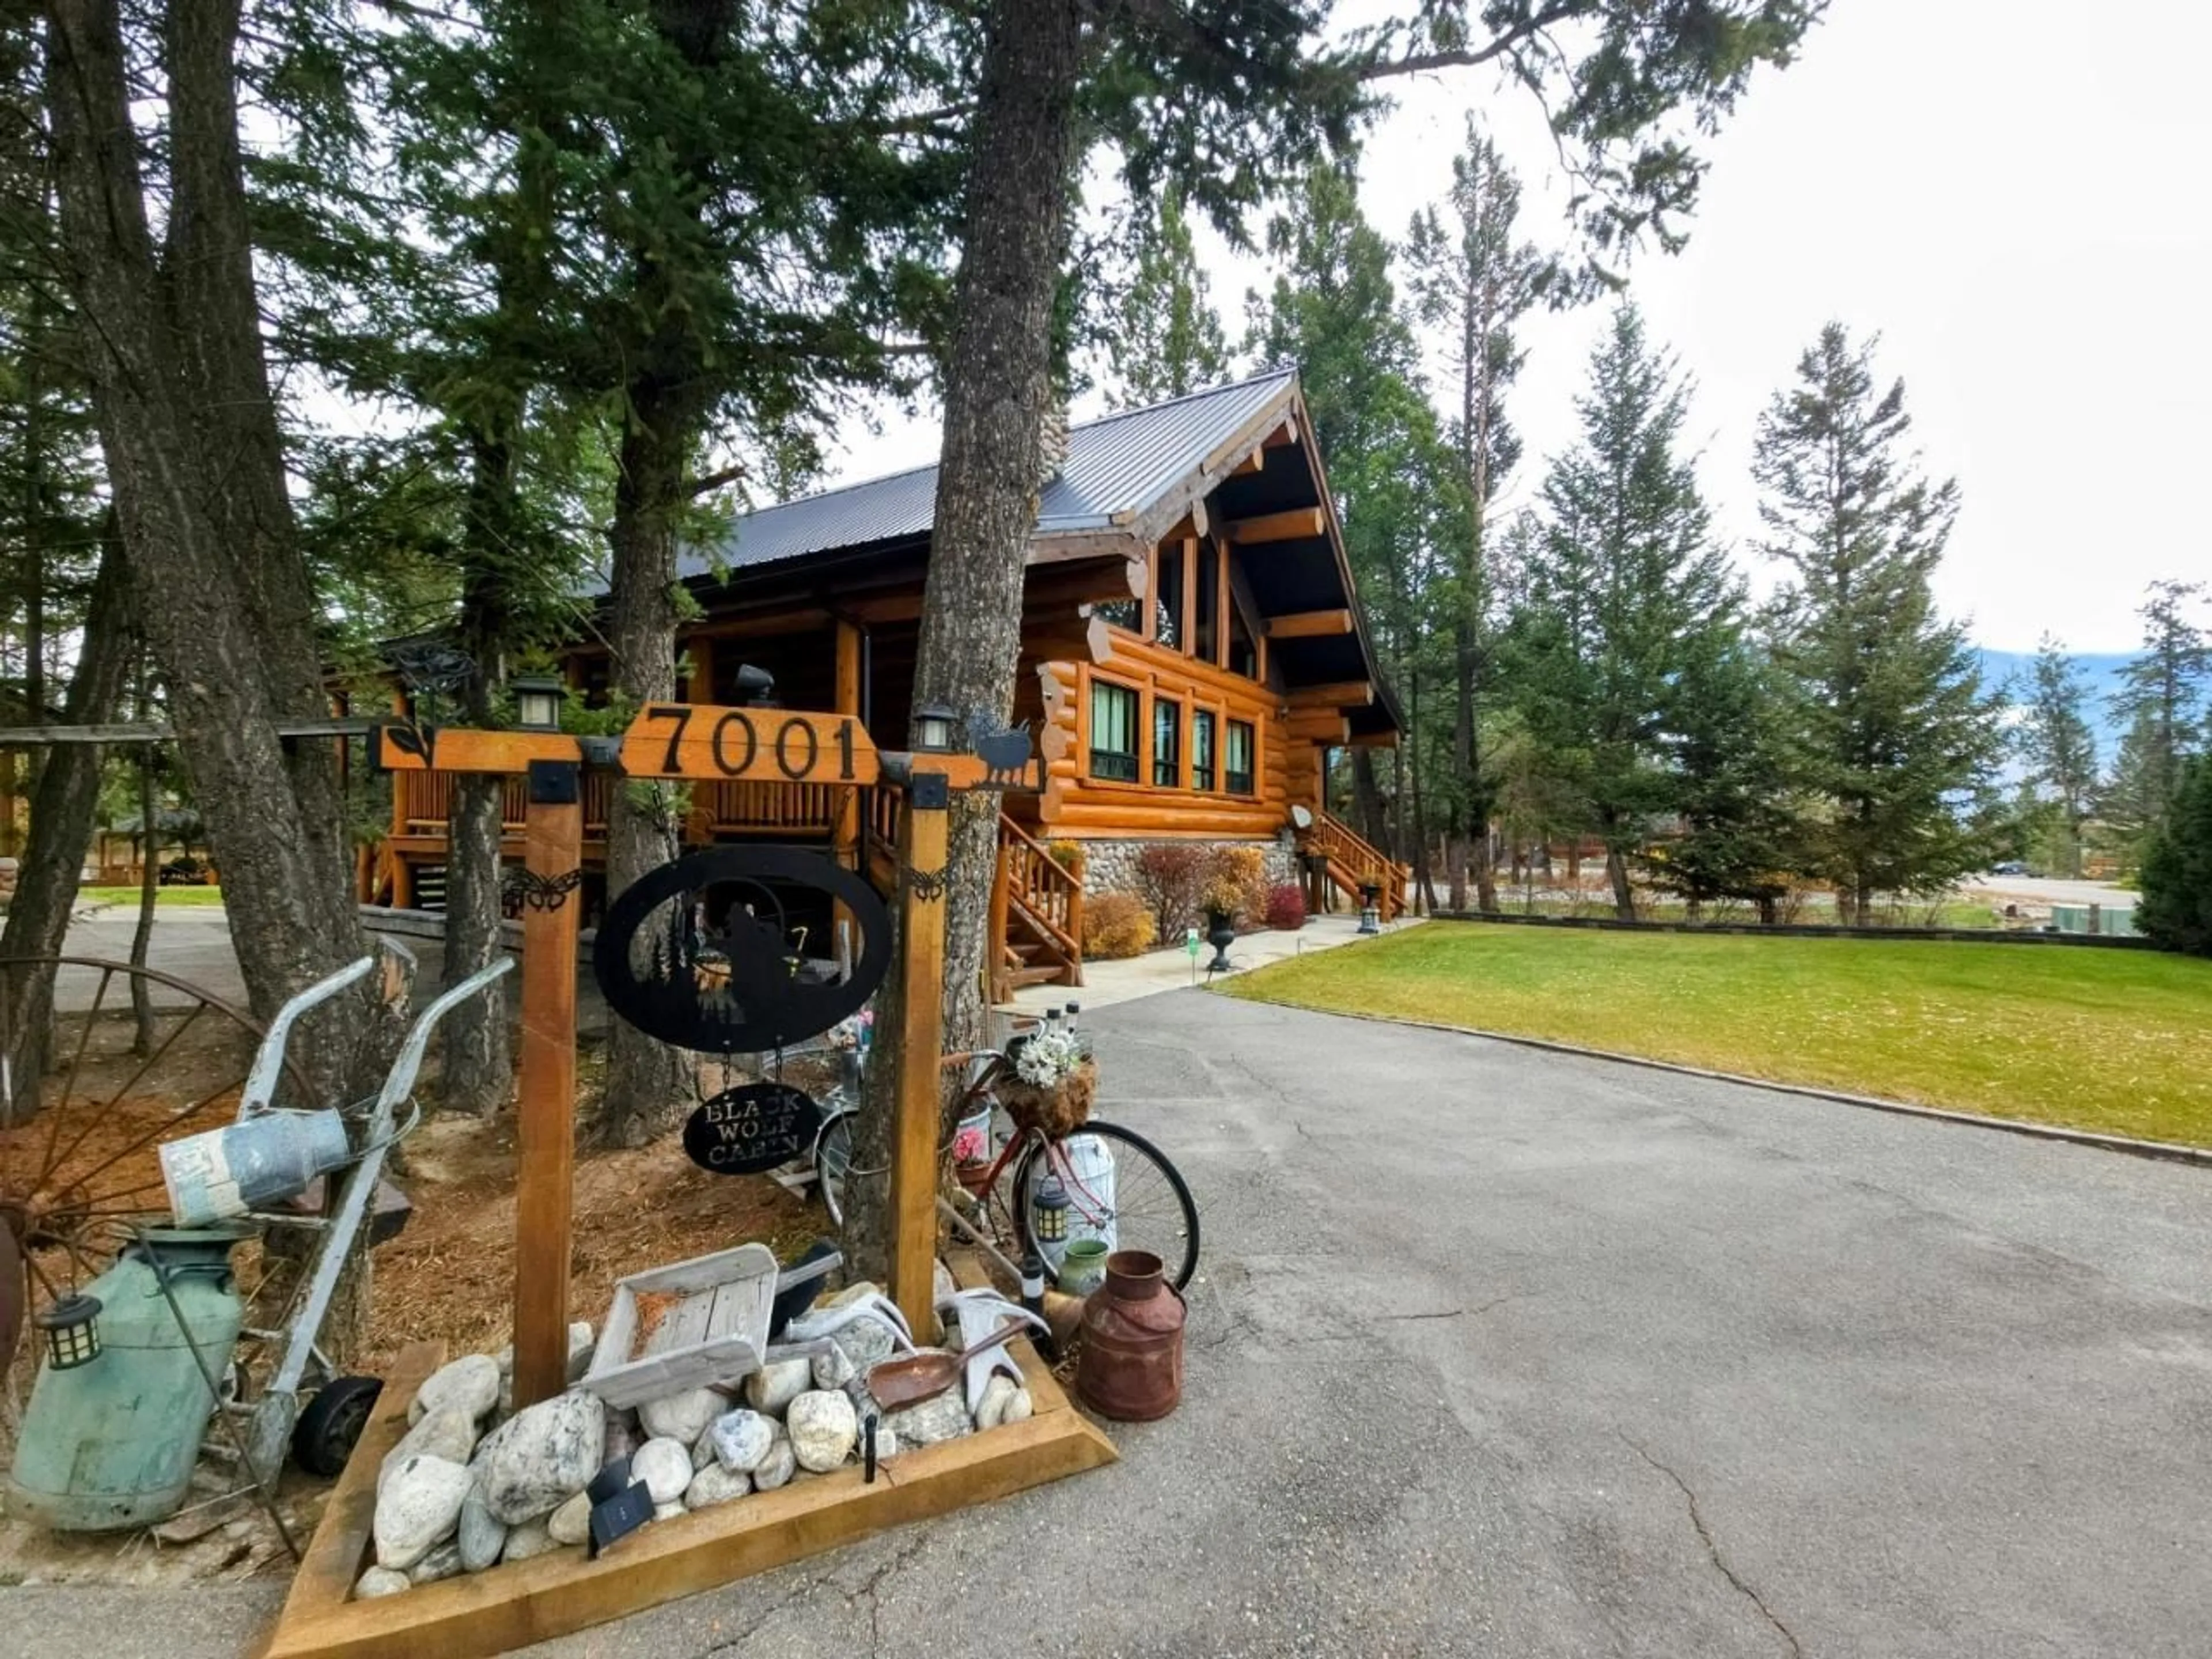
(1110, 867)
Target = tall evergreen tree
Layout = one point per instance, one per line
(2162, 698)
(2058, 746)
(1629, 593)
(1737, 829)
(1894, 736)
(1169, 340)
(1472, 279)
(2176, 907)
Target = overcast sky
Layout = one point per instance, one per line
(2003, 192)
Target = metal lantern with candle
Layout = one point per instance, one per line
(537, 699)
(72, 1332)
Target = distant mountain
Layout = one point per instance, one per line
(2001, 668)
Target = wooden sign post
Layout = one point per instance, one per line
(921, 878)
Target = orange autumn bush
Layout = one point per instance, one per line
(1117, 925)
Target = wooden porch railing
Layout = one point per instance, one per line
(1046, 891)
(1350, 861)
(423, 802)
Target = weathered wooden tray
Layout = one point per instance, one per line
(717, 1333)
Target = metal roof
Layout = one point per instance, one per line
(1117, 466)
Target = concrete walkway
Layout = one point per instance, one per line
(1106, 984)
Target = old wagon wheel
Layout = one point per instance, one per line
(78, 1171)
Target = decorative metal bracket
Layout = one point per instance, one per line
(519, 889)
(927, 885)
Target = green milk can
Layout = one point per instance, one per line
(111, 1442)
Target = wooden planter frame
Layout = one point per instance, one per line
(511, 1606)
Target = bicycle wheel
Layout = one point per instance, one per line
(1150, 1207)
(833, 1156)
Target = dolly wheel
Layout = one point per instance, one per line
(324, 1436)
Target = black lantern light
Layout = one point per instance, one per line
(72, 1328)
(932, 729)
(1048, 1212)
(537, 701)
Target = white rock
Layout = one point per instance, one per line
(448, 1433)
(833, 1369)
(444, 1561)
(469, 1383)
(665, 1466)
(866, 1342)
(580, 1352)
(572, 1522)
(886, 1443)
(741, 1439)
(823, 1425)
(942, 1284)
(683, 1416)
(1020, 1408)
(379, 1580)
(852, 1292)
(531, 1538)
(702, 1449)
(481, 1535)
(942, 1416)
(716, 1485)
(991, 1409)
(667, 1511)
(537, 1457)
(419, 1506)
(775, 1469)
(775, 1385)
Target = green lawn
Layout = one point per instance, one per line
(165, 897)
(2115, 1041)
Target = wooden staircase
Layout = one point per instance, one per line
(1036, 902)
(1346, 862)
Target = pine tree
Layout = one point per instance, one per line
(2162, 698)
(1892, 734)
(1474, 280)
(1629, 593)
(1737, 831)
(1168, 339)
(2057, 743)
(2175, 910)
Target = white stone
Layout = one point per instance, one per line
(482, 1535)
(531, 1538)
(775, 1385)
(537, 1457)
(866, 1342)
(668, 1511)
(716, 1485)
(683, 1416)
(853, 1293)
(379, 1580)
(469, 1383)
(775, 1469)
(833, 1369)
(1020, 1408)
(444, 1561)
(580, 1352)
(823, 1425)
(991, 1409)
(741, 1439)
(419, 1506)
(572, 1522)
(448, 1433)
(941, 1417)
(665, 1466)
(942, 1284)
(886, 1443)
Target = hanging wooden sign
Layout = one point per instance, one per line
(761, 745)
(751, 1129)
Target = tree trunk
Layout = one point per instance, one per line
(647, 1081)
(61, 825)
(149, 894)
(1367, 798)
(220, 589)
(1616, 871)
(997, 389)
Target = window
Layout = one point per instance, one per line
(1167, 743)
(1244, 655)
(1207, 634)
(1201, 749)
(1122, 613)
(1167, 599)
(1236, 760)
(1113, 733)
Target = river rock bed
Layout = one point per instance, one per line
(474, 1483)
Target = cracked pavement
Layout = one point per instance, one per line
(1501, 1352)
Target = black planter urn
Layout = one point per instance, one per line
(1220, 933)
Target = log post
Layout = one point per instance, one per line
(1075, 915)
(921, 884)
(1002, 883)
(545, 1142)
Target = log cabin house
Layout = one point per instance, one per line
(1192, 648)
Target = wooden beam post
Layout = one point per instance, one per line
(1309, 624)
(1300, 523)
(545, 1132)
(914, 1139)
(845, 824)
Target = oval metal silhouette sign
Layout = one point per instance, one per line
(706, 953)
(751, 1129)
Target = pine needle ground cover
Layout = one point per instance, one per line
(2118, 1042)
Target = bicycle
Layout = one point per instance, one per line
(1135, 1199)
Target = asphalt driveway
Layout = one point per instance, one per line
(1506, 1353)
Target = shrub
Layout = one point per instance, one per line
(2175, 910)
(1116, 925)
(1286, 907)
(1168, 876)
(1067, 854)
(1235, 882)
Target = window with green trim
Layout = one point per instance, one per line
(1113, 733)
(1201, 749)
(1167, 743)
(1236, 759)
